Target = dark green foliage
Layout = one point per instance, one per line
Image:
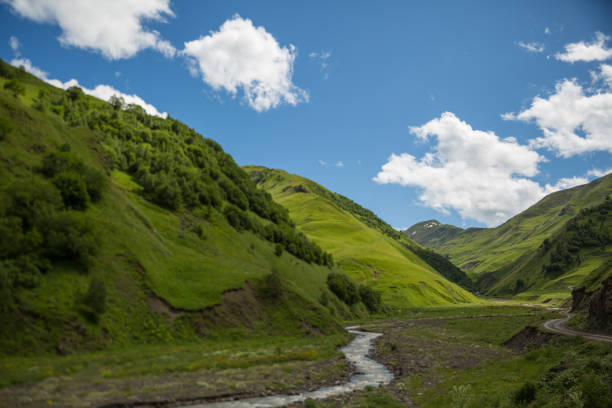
(16, 87)
(525, 394)
(370, 298)
(73, 190)
(278, 249)
(6, 127)
(272, 287)
(71, 237)
(237, 218)
(445, 267)
(586, 230)
(74, 93)
(93, 303)
(519, 286)
(343, 287)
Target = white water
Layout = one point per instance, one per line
(369, 373)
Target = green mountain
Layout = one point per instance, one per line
(498, 258)
(366, 247)
(120, 228)
(431, 233)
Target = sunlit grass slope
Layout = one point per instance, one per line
(490, 249)
(163, 269)
(364, 252)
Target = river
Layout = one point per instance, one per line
(369, 373)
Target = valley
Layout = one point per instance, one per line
(140, 266)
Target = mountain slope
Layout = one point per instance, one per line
(579, 254)
(482, 250)
(366, 247)
(121, 228)
(431, 233)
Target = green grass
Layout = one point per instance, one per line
(365, 253)
(188, 258)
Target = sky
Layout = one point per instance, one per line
(464, 112)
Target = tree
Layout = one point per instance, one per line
(117, 102)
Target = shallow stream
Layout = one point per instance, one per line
(369, 373)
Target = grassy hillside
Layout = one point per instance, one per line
(121, 228)
(482, 250)
(366, 247)
(579, 254)
(431, 233)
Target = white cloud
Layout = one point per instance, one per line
(242, 56)
(598, 172)
(547, 31)
(534, 47)
(604, 74)
(339, 164)
(568, 113)
(27, 65)
(102, 91)
(14, 43)
(322, 163)
(111, 27)
(481, 176)
(323, 58)
(581, 51)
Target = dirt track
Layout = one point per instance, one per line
(558, 326)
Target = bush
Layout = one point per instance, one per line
(343, 287)
(272, 287)
(93, 303)
(73, 190)
(278, 249)
(16, 87)
(71, 237)
(370, 298)
(6, 127)
(525, 394)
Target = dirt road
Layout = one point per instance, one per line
(558, 326)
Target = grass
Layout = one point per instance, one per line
(186, 260)
(363, 252)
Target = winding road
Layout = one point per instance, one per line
(558, 326)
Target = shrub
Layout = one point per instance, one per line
(278, 249)
(6, 127)
(16, 87)
(370, 298)
(73, 190)
(71, 237)
(525, 394)
(93, 303)
(272, 287)
(343, 287)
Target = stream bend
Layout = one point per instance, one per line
(369, 373)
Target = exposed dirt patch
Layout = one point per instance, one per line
(470, 265)
(532, 337)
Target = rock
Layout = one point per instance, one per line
(600, 307)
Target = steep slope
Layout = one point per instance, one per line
(121, 228)
(365, 246)
(485, 250)
(578, 254)
(431, 233)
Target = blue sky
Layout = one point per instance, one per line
(467, 113)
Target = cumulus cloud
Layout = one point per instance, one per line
(581, 51)
(111, 27)
(598, 172)
(339, 163)
(102, 91)
(547, 31)
(476, 173)
(534, 47)
(243, 57)
(572, 120)
(604, 74)
(322, 163)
